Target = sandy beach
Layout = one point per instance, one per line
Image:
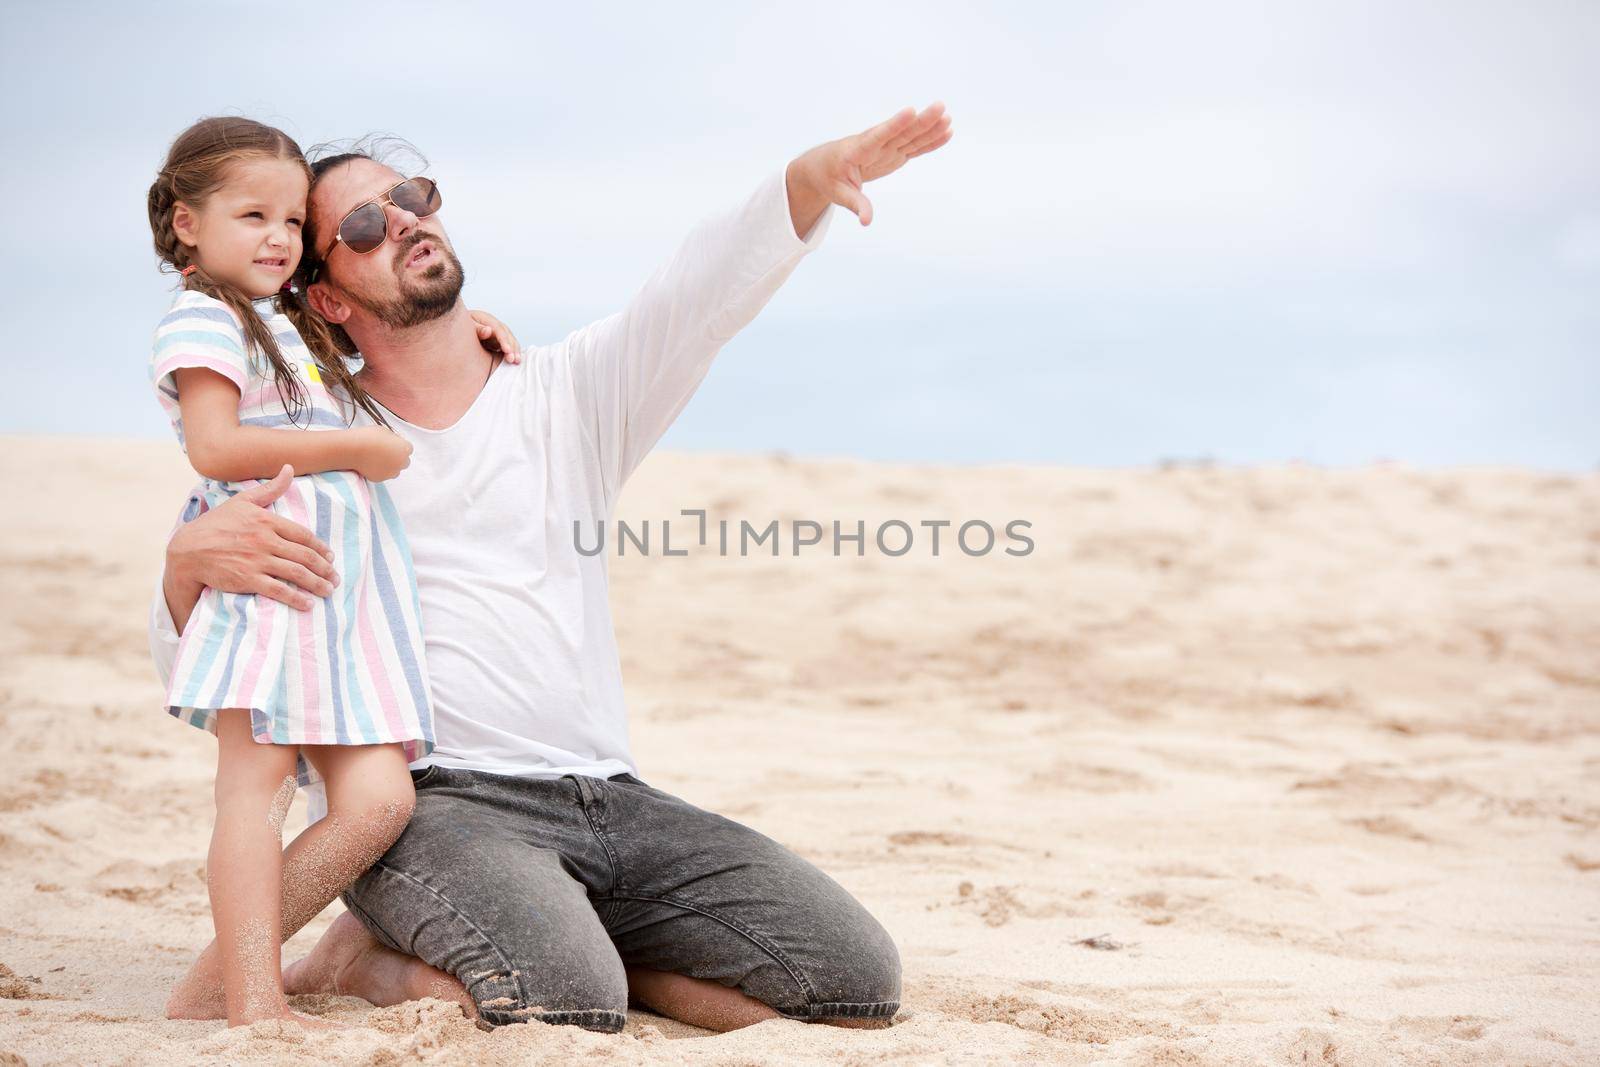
(1238, 765)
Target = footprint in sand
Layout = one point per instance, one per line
(173, 884)
(1390, 826)
(1433, 1027)
(14, 986)
(1087, 778)
(931, 837)
(998, 905)
(1081, 1026)
(1158, 908)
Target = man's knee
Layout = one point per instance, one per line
(869, 987)
(853, 977)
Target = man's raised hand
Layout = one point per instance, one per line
(833, 173)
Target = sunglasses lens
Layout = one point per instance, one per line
(420, 196)
(364, 228)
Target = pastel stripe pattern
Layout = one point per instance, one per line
(350, 671)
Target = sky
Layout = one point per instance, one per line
(1248, 233)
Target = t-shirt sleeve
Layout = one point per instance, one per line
(634, 371)
(199, 331)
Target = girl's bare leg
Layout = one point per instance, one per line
(370, 800)
(369, 803)
(244, 871)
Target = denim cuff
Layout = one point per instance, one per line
(877, 1009)
(597, 1019)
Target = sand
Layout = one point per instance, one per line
(1269, 765)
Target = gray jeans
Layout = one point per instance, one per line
(534, 892)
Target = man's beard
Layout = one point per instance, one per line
(430, 295)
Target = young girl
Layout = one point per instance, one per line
(339, 692)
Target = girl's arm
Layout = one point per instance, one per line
(222, 449)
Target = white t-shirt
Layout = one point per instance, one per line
(517, 622)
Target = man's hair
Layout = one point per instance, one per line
(385, 149)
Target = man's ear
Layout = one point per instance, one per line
(324, 300)
(185, 223)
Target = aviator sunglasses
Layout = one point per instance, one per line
(366, 227)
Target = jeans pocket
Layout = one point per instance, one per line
(426, 776)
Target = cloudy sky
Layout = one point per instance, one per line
(1332, 232)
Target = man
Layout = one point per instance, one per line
(540, 878)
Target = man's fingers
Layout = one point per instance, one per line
(265, 493)
(307, 558)
(924, 132)
(890, 128)
(293, 531)
(852, 198)
(310, 582)
(930, 118)
(928, 141)
(894, 122)
(283, 593)
(942, 140)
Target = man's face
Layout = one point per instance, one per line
(412, 278)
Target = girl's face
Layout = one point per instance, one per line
(247, 232)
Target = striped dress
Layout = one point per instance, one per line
(350, 671)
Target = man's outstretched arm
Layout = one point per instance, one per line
(633, 372)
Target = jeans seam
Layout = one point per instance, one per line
(597, 822)
(771, 950)
(460, 916)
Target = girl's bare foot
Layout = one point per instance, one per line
(189, 1002)
(198, 994)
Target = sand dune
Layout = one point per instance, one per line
(1273, 765)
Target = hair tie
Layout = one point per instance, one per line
(288, 287)
(190, 269)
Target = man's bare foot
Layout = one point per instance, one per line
(696, 1001)
(710, 1005)
(350, 962)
